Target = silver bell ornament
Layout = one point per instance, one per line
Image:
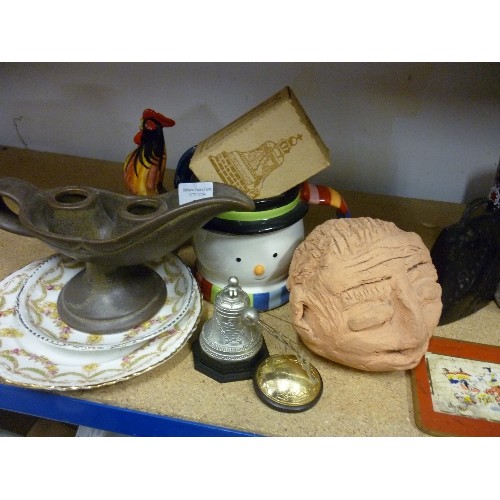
(229, 347)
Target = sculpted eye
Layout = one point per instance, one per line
(428, 291)
(238, 259)
(365, 316)
(424, 280)
(275, 254)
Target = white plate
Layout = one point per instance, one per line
(38, 305)
(27, 361)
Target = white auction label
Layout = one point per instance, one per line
(192, 191)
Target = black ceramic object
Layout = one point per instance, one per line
(467, 259)
(114, 235)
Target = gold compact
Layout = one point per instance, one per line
(285, 382)
(281, 382)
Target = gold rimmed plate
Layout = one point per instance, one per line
(37, 305)
(27, 361)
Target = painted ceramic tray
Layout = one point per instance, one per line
(38, 305)
(26, 360)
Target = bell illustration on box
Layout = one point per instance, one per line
(247, 170)
(229, 348)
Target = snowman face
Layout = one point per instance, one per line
(256, 260)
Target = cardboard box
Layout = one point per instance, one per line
(270, 149)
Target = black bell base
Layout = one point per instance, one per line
(227, 371)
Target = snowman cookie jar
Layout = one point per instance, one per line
(257, 246)
(259, 259)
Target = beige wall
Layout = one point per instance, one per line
(419, 130)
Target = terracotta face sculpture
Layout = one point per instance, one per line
(364, 293)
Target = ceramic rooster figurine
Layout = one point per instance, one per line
(144, 167)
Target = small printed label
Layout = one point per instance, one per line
(192, 191)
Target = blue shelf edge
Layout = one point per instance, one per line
(70, 410)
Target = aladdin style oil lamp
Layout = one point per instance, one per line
(115, 236)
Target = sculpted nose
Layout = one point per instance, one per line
(259, 270)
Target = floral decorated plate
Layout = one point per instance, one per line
(26, 360)
(38, 305)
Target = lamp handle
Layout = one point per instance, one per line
(20, 192)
